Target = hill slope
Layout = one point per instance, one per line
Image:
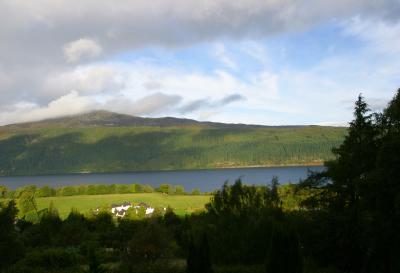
(92, 144)
(110, 119)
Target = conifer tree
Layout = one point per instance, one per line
(198, 260)
(284, 255)
(10, 247)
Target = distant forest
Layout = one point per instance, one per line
(54, 150)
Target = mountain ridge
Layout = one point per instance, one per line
(106, 118)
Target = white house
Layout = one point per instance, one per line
(121, 213)
(149, 210)
(120, 210)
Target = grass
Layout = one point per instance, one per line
(182, 204)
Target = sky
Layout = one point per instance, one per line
(271, 62)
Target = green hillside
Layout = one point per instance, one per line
(37, 150)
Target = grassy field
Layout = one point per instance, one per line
(182, 204)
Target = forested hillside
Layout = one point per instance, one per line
(38, 150)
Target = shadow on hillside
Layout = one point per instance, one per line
(32, 154)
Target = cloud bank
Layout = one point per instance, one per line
(74, 52)
(81, 48)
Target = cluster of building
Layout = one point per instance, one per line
(120, 210)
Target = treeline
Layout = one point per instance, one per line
(95, 189)
(117, 149)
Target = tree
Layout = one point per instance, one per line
(284, 255)
(358, 194)
(49, 260)
(50, 225)
(354, 159)
(74, 229)
(170, 218)
(91, 190)
(10, 247)
(252, 211)
(198, 259)
(383, 196)
(275, 199)
(136, 213)
(147, 189)
(27, 200)
(46, 191)
(165, 188)
(179, 189)
(93, 259)
(68, 191)
(149, 249)
(3, 191)
(123, 188)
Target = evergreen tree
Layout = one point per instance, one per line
(198, 259)
(354, 159)
(383, 196)
(275, 199)
(342, 189)
(284, 255)
(11, 248)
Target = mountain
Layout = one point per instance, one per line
(104, 118)
(111, 119)
(103, 141)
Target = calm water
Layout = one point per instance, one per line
(205, 180)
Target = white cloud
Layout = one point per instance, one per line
(123, 87)
(381, 36)
(69, 104)
(289, 96)
(89, 79)
(256, 51)
(204, 104)
(82, 48)
(148, 105)
(222, 56)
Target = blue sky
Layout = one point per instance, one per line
(255, 62)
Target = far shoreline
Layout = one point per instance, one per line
(308, 164)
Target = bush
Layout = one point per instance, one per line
(46, 191)
(49, 260)
(123, 189)
(165, 188)
(150, 250)
(91, 190)
(68, 191)
(179, 189)
(3, 191)
(147, 189)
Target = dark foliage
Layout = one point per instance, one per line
(198, 259)
(356, 211)
(10, 246)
